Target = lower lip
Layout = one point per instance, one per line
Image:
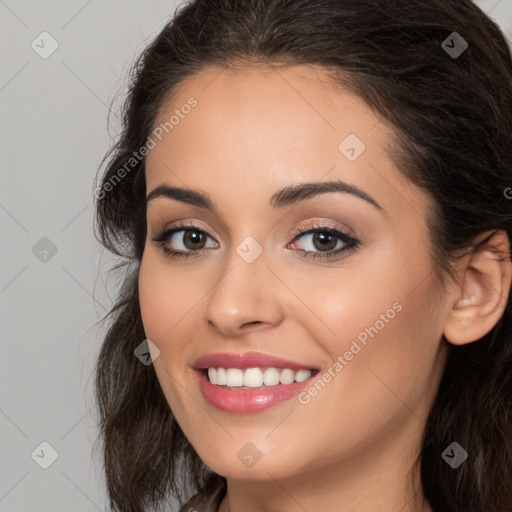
(249, 400)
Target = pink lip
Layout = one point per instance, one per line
(248, 400)
(247, 360)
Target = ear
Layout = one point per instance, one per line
(480, 300)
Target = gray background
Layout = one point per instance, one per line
(53, 136)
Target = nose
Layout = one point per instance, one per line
(246, 296)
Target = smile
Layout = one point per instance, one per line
(236, 397)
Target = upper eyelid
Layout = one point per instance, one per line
(195, 223)
(225, 229)
(315, 226)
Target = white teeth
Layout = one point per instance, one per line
(287, 376)
(256, 377)
(302, 375)
(221, 377)
(234, 377)
(253, 378)
(271, 377)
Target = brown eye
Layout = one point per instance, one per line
(184, 240)
(193, 239)
(324, 240)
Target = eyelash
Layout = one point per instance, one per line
(351, 244)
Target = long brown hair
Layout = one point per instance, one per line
(451, 116)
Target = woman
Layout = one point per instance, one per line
(318, 314)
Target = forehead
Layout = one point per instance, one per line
(260, 103)
(259, 128)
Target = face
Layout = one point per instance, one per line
(335, 280)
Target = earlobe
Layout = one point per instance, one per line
(483, 291)
(465, 302)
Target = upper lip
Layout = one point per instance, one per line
(247, 360)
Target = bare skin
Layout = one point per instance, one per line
(353, 447)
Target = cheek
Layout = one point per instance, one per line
(164, 304)
(386, 355)
(166, 297)
(348, 301)
(379, 318)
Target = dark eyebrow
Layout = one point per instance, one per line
(295, 193)
(286, 196)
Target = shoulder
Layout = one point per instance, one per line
(205, 501)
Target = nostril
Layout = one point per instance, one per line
(251, 323)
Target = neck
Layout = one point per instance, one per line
(368, 480)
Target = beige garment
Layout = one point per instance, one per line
(201, 503)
